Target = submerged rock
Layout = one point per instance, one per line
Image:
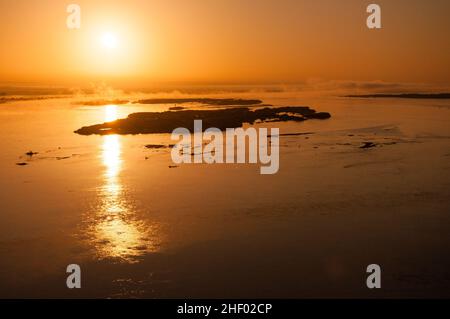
(155, 146)
(176, 108)
(368, 145)
(31, 153)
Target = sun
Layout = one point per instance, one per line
(109, 40)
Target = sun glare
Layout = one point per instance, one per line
(109, 40)
(110, 113)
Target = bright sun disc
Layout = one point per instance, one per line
(109, 41)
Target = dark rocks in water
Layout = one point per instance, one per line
(31, 153)
(405, 96)
(207, 101)
(319, 116)
(368, 145)
(176, 108)
(21, 164)
(155, 146)
(166, 122)
(295, 134)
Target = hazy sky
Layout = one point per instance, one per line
(225, 41)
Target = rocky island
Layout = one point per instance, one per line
(166, 122)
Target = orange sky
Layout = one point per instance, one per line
(233, 41)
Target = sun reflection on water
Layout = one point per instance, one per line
(117, 231)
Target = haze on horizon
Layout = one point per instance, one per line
(233, 41)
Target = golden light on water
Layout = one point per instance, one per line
(116, 230)
(111, 152)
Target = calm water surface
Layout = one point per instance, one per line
(142, 229)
